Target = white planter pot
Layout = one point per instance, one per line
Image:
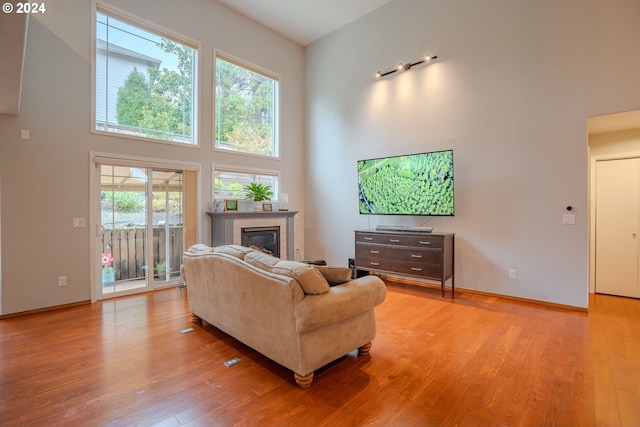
(245, 205)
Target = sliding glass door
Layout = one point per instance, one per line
(167, 224)
(140, 238)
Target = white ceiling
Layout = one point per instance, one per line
(304, 21)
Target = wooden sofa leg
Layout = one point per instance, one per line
(364, 350)
(304, 381)
(195, 318)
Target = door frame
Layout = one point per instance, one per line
(592, 208)
(97, 158)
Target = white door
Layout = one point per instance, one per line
(617, 204)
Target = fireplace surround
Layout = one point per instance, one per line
(226, 228)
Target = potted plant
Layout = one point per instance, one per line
(258, 193)
(108, 273)
(161, 270)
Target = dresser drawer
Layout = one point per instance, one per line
(421, 240)
(395, 254)
(408, 267)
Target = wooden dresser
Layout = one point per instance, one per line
(418, 255)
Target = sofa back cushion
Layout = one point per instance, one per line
(310, 279)
(235, 250)
(199, 248)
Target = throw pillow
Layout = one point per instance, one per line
(335, 275)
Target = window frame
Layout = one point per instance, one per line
(217, 167)
(145, 25)
(225, 56)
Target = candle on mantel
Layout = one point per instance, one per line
(283, 201)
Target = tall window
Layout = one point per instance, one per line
(246, 108)
(229, 183)
(145, 81)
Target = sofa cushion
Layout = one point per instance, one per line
(262, 260)
(335, 275)
(310, 279)
(199, 248)
(234, 250)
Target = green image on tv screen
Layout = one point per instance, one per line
(416, 184)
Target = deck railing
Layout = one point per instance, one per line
(127, 246)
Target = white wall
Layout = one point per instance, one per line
(511, 94)
(45, 181)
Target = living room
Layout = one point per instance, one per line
(511, 93)
(518, 164)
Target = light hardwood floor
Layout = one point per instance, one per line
(471, 361)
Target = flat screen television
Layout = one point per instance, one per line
(414, 184)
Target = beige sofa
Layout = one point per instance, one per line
(298, 315)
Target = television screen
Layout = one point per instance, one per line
(415, 184)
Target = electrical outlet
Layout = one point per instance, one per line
(512, 273)
(79, 223)
(62, 280)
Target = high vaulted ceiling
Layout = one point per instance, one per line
(304, 21)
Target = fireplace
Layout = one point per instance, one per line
(266, 238)
(227, 227)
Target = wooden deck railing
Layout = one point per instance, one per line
(127, 246)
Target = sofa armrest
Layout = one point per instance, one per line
(341, 302)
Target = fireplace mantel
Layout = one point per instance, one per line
(225, 227)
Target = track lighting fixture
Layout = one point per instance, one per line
(407, 66)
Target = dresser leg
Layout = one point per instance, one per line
(453, 286)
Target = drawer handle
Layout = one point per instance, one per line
(416, 256)
(375, 252)
(394, 240)
(416, 269)
(368, 238)
(424, 243)
(374, 263)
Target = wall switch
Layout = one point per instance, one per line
(569, 219)
(62, 280)
(512, 273)
(25, 134)
(79, 223)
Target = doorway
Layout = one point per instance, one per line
(614, 143)
(145, 217)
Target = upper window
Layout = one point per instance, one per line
(246, 108)
(145, 81)
(229, 183)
